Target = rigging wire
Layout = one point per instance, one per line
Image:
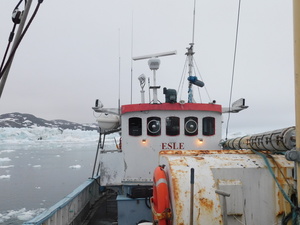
(181, 83)
(10, 39)
(13, 51)
(16, 17)
(233, 65)
(195, 63)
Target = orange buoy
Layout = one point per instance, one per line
(160, 203)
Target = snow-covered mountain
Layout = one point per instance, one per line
(23, 120)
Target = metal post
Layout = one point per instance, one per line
(192, 197)
(297, 83)
(155, 99)
(224, 194)
(18, 35)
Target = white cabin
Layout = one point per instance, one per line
(148, 129)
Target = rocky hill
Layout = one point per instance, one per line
(23, 120)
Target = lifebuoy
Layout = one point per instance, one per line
(160, 203)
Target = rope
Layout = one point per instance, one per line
(233, 64)
(275, 179)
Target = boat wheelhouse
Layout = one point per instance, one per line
(148, 129)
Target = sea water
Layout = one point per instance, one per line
(36, 175)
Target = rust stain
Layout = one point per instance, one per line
(206, 152)
(176, 192)
(202, 190)
(199, 158)
(199, 214)
(280, 213)
(207, 203)
(179, 162)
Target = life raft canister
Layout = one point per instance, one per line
(160, 203)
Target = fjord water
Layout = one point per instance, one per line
(36, 175)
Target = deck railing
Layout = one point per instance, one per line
(73, 209)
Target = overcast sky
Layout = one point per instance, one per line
(70, 56)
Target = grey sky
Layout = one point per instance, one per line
(70, 56)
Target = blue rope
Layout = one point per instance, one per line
(274, 177)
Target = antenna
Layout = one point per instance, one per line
(194, 16)
(119, 100)
(154, 63)
(190, 52)
(154, 55)
(131, 69)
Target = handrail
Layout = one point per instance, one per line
(72, 206)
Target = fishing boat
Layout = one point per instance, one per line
(170, 165)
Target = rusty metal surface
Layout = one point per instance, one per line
(200, 152)
(254, 197)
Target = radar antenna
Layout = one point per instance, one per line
(154, 63)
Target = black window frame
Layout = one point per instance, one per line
(208, 126)
(135, 125)
(172, 126)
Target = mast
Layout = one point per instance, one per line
(297, 83)
(190, 54)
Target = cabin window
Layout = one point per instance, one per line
(153, 126)
(191, 126)
(208, 126)
(172, 126)
(135, 126)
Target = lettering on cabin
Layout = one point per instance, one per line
(172, 146)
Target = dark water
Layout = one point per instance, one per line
(34, 177)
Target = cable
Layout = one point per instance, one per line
(233, 65)
(20, 39)
(16, 18)
(181, 83)
(195, 63)
(11, 37)
(279, 169)
(274, 177)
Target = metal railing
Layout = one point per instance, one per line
(72, 209)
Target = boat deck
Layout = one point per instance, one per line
(105, 211)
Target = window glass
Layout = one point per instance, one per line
(153, 126)
(191, 126)
(208, 126)
(135, 126)
(172, 125)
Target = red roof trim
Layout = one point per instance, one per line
(170, 106)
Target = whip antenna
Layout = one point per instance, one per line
(194, 16)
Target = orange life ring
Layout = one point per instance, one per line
(160, 203)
